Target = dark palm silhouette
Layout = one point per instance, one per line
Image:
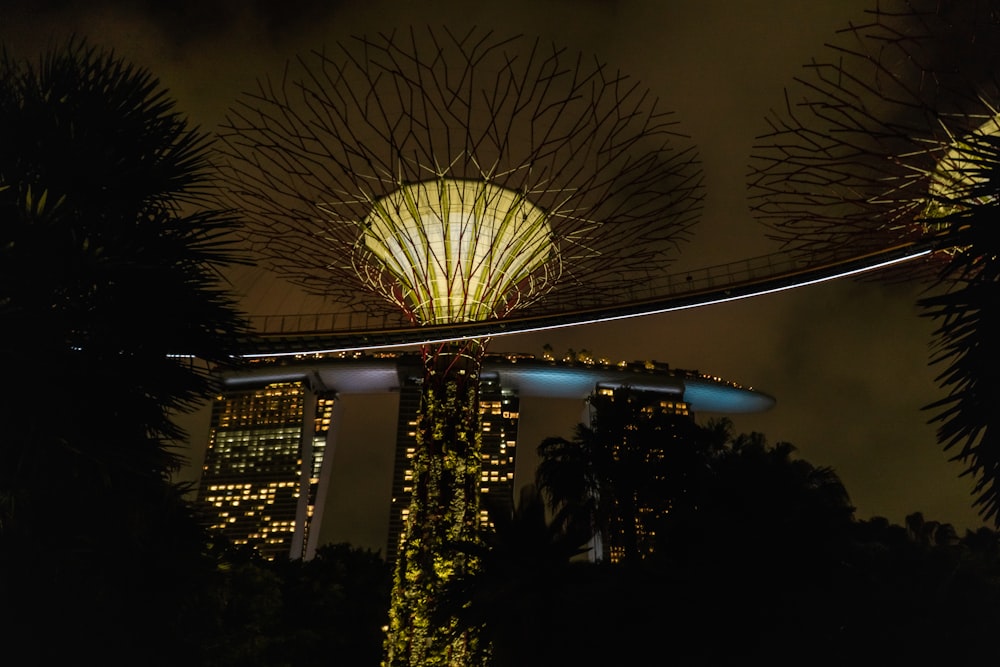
(570, 474)
(108, 295)
(524, 587)
(964, 305)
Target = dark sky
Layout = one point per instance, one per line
(846, 361)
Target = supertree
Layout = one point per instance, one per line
(454, 177)
(893, 136)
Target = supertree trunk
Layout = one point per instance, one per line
(443, 513)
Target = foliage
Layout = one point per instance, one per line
(443, 512)
(635, 459)
(968, 325)
(643, 480)
(107, 274)
(756, 500)
(759, 559)
(106, 268)
(335, 605)
(294, 613)
(523, 581)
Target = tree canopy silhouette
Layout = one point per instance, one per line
(759, 558)
(108, 293)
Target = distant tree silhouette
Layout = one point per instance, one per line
(756, 501)
(930, 532)
(908, 599)
(328, 610)
(760, 559)
(524, 586)
(107, 284)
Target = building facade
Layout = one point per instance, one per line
(260, 479)
(274, 429)
(641, 431)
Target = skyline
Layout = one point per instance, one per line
(521, 380)
(847, 361)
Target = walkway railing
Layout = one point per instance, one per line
(329, 332)
(674, 284)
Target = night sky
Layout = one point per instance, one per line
(847, 361)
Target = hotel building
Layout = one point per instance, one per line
(274, 429)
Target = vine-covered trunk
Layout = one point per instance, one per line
(443, 512)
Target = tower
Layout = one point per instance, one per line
(260, 480)
(641, 428)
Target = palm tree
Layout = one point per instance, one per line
(964, 306)
(524, 586)
(108, 295)
(572, 474)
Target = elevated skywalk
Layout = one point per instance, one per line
(343, 332)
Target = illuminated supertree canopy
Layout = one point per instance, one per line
(893, 136)
(452, 250)
(886, 133)
(455, 176)
(452, 178)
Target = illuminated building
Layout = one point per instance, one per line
(440, 177)
(259, 489)
(260, 479)
(639, 426)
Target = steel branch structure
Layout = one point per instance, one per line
(350, 172)
(885, 134)
(455, 178)
(894, 135)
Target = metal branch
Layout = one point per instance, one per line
(307, 158)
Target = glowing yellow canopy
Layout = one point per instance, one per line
(459, 250)
(960, 169)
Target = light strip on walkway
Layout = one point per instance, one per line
(607, 318)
